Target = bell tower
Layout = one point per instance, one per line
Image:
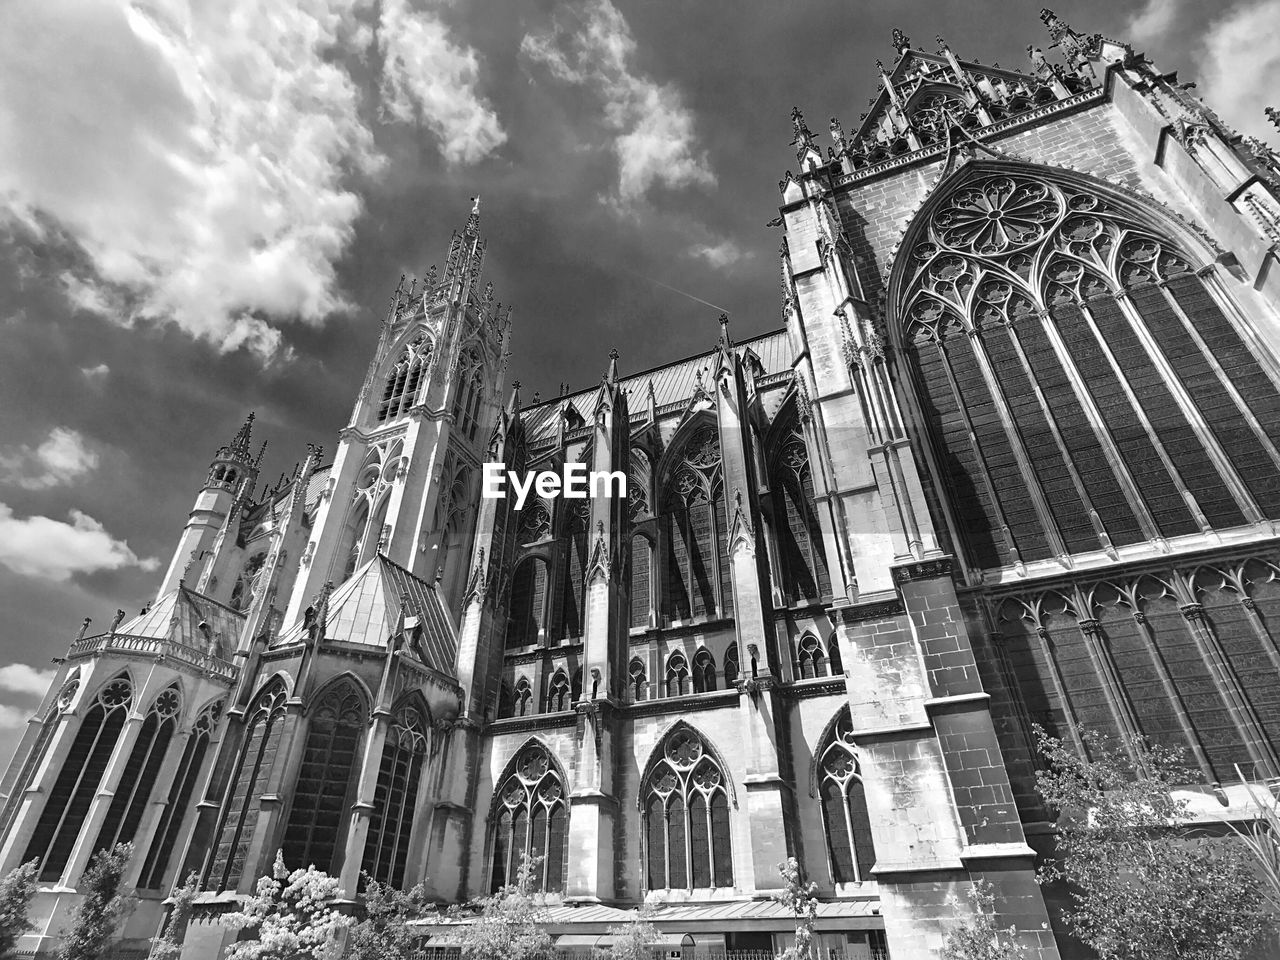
(405, 479)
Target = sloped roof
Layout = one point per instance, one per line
(177, 616)
(672, 382)
(366, 610)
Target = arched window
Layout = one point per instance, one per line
(731, 669)
(243, 592)
(704, 671)
(697, 576)
(403, 380)
(641, 581)
(686, 817)
(844, 805)
(31, 763)
(530, 818)
(809, 658)
(523, 698)
(804, 563)
(73, 792)
(466, 400)
(576, 689)
(1083, 387)
(248, 783)
(326, 777)
(577, 517)
(638, 681)
(133, 792)
(395, 798)
(639, 482)
(535, 522)
(677, 675)
(558, 693)
(181, 790)
(506, 701)
(528, 600)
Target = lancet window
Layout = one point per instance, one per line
(182, 789)
(1084, 386)
(574, 569)
(404, 751)
(530, 819)
(73, 792)
(844, 805)
(697, 581)
(528, 602)
(686, 817)
(133, 791)
(404, 378)
(637, 680)
(804, 563)
(249, 777)
(704, 671)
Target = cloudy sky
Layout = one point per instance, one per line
(205, 206)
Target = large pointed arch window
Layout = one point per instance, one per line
(697, 574)
(528, 601)
(530, 817)
(386, 848)
(804, 563)
(31, 763)
(686, 817)
(844, 805)
(574, 568)
(181, 790)
(249, 777)
(325, 779)
(1084, 387)
(404, 378)
(137, 781)
(73, 792)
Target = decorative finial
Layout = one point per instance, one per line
(537, 397)
(900, 40)
(475, 206)
(1273, 115)
(724, 330)
(802, 137)
(880, 67)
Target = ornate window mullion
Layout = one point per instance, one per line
(1174, 385)
(1047, 650)
(1118, 467)
(1029, 478)
(848, 826)
(978, 455)
(1140, 415)
(1118, 700)
(1211, 358)
(1244, 327)
(1104, 540)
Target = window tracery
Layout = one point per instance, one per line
(528, 602)
(386, 849)
(1061, 344)
(577, 520)
(844, 806)
(677, 675)
(404, 379)
(530, 818)
(558, 693)
(804, 561)
(637, 679)
(641, 581)
(686, 817)
(697, 562)
(810, 659)
(731, 668)
(704, 671)
(73, 792)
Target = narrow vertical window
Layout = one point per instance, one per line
(638, 681)
(694, 528)
(677, 675)
(528, 600)
(844, 805)
(804, 563)
(386, 848)
(704, 671)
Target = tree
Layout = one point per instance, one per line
(980, 938)
(510, 923)
(168, 945)
(17, 887)
(384, 933)
(94, 920)
(797, 896)
(634, 939)
(1142, 885)
(292, 915)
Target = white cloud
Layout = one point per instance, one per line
(653, 130)
(54, 549)
(95, 374)
(429, 76)
(719, 255)
(204, 157)
(1239, 64)
(62, 458)
(21, 678)
(1153, 22)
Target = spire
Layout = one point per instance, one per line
(725, 339)
(611, 375)
(473, 221)
(239, 446)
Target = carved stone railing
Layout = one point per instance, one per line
(214, 667)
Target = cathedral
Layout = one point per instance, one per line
(1011, 459)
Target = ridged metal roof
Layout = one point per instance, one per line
(177, 616)
(672, 382)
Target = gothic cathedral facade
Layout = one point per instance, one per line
(1013, 459)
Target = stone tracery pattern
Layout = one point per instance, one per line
(1046, 320)
(686, 817)
(532, 819)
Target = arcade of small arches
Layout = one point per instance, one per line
(687, 805)
(1085, 386)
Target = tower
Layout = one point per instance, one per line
(406, 475)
